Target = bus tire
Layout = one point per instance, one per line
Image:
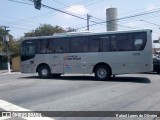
(102, 72)
(44, 72)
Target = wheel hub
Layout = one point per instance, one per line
(44, 72)
(102, 73)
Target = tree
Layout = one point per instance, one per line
(45, 30)
(69, 29)
(2, 45)
(14, 46)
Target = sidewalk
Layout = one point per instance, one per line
(5, 72)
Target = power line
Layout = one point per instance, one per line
(59, 11)
(19, 28)
(95, 2)
(20, 2)
(46, 6)
(127, 17)
(136, 10)
(66, 6)
(88, 16)
(123, 18)
(30, 19)
(140, 14)
(78, 3)
(136, 15)
(84, 1)
(151, 23)
(63, 4)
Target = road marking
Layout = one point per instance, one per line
(7, 106)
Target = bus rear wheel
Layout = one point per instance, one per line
(102, 72)
(44, 72)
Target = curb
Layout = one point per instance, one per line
(12, 73)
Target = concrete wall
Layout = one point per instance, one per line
(16, 64)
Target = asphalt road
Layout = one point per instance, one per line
(132, 92)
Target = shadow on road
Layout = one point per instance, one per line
(131, 79)
(150, 73)
(92, 78)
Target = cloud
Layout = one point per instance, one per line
(132, 24)
(77, 9)
(151, 7)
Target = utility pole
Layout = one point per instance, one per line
(88, 17)
(6, 40)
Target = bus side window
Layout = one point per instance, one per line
(61, 45)
(124, 42)
(113, 43)
(106, 44)
(139, 41)
(95, 45)
(45, 46)
(79, 44)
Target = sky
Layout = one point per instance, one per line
(22, 18)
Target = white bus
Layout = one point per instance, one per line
(103, 54)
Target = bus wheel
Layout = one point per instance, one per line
(102, 72)
(44, 72)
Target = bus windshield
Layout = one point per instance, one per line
(27, 51)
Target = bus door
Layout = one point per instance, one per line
(27, 56)
(60, 46)
(57, 64)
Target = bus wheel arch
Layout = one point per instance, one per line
(43, 70)
(102, 71)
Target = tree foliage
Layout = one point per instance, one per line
(44, 30)
(13, 45)
(69, 29)
(47, 29)
(2, 45)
